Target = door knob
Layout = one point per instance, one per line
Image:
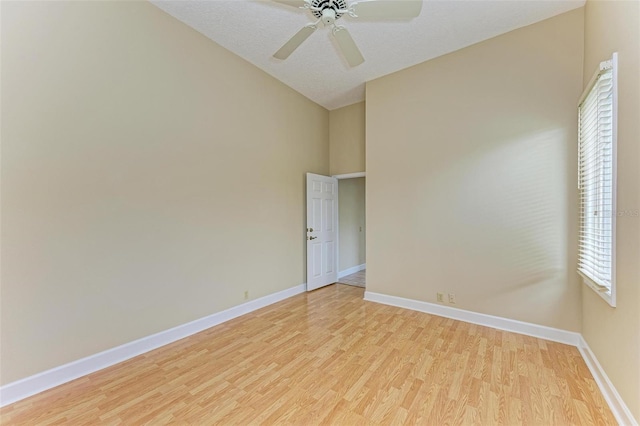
(312, 238)
(309, 229)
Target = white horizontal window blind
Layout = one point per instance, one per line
(597, 167)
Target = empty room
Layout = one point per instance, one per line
(320, 212)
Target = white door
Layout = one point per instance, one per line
(322, 233)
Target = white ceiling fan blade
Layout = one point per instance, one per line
(294, 42)
(292, 3)
(388, 9)
(348, 46)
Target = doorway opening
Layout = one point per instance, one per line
(352, 229)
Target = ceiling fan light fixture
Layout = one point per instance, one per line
(328, 16)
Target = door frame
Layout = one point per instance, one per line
(350, 175)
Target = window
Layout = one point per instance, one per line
(597, 110)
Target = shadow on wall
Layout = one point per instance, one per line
(507, 204)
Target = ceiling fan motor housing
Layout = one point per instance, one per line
(328, 10)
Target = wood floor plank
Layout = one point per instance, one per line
(329, 357)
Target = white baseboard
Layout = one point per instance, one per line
(37, 383)
(352, 270)
(535, 330)
(619, 409)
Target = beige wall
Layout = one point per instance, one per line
(347, 139)
(149, 178)
(471, 176)
(614, 333)
(352, 226)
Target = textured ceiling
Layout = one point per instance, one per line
(255, 30)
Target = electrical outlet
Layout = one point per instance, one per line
(246, 294)
(452, 298)
(440, 297)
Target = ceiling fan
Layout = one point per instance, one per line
(329, 11)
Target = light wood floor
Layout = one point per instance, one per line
(328, 357)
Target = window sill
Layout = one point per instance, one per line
(606, 294)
